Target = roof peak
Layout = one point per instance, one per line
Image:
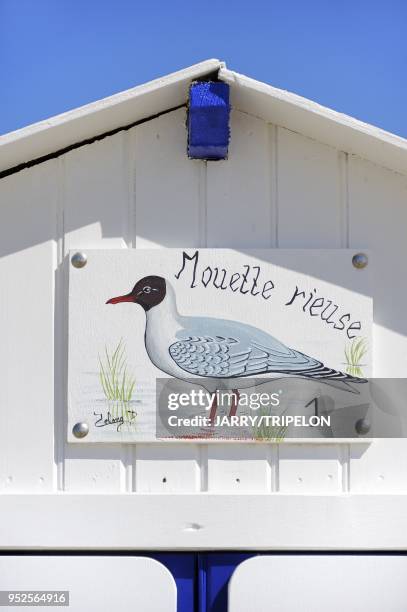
(269, 103)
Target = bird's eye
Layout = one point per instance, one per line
(147, 289)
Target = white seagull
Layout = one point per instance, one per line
(224, 354)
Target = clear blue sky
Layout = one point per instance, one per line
(350, 55)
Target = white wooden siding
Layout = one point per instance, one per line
(28, 213)
(138, 189)
(378, 221)
(95, 212)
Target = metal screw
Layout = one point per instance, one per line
(360, 261)
(362, 426)
(80, 430)
(79, 260)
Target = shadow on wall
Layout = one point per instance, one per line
(138, 187)
(114, 188)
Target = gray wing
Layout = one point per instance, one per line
(228, 357)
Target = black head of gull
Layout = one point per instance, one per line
(148, 292)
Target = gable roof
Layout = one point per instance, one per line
(145, 101)
(315, 121)
(100, 117)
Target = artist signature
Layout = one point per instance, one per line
(102, 421)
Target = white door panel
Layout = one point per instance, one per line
(318, 583)
(122, 584)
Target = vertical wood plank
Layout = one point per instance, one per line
(307, 468)
(311, 204)
(240, 215)
(96, 195)
(170, 195)
(378, 221)
(167, 185)
(239, 188)
(91, 468)
(27, 255)
(378, 218)
(242, 468)
(167, 468)
(309, 198)
(96, 215)
(379, 467)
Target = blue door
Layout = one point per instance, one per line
(202, 578)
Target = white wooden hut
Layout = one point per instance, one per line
(115, 174)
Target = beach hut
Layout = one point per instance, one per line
(196, 161)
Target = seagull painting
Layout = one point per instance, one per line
(224, 354)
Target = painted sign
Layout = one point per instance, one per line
(214, 320)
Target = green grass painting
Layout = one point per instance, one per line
(118, 386)
(269, 433)
(354, 355)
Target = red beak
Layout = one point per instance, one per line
(122, 298)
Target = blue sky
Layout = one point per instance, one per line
(350, 55)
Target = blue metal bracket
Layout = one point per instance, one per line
(208, 120)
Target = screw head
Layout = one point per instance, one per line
(80, 430)
(79, 260)
(360, 261)
(362, 426)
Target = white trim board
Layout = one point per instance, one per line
(119, 110)
(203, 522)
(318, 122)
